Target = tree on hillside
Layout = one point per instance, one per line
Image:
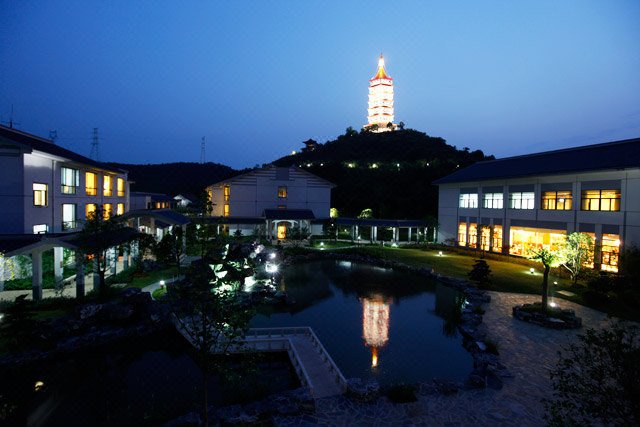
(350, 132)
(548, 259)
(366, 213)
(575, 253)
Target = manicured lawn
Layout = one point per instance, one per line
(506, 276)
(140, 280)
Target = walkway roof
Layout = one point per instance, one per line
(289, 214)
(165, 215)
(374, 222)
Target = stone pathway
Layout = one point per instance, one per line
(527, 350)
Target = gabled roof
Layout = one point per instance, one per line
(614, 155)
(154, 196)
(33, 142)
(255, 172)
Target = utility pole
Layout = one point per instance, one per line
(11, 122)
(95, 146)
(53, 135)
(202, 151)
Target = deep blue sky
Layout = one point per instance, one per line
(257, 78)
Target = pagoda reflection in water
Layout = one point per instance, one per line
(375, 324)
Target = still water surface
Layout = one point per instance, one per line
(375, 322)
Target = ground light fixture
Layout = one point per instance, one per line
(38, 386)
(271, 268)
(162, 282)
(321, 243)
(394, 245)
(439, 253)
(532, 270)
(553, 304)
(272, 255)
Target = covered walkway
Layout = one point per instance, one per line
(389, 230)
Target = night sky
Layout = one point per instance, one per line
(258, 78)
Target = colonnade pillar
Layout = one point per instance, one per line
(79, 275)
(36, 275)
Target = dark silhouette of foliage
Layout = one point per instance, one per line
(175, 178)
(597, 380)
(391, 191)
(480, 272)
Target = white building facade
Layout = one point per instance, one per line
(529, 202)
(278, 197)
(48, 189)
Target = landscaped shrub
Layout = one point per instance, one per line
(597, 380)
(402, 393)
(480, 272)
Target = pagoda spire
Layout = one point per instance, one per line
(381, 74)
(380, 112)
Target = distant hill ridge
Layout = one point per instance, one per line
(175, 178)
(389, 172)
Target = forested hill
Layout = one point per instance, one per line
(175, 178)
(390, 173)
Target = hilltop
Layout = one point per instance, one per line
(175, 178)
(390, 173)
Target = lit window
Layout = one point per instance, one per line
(68, 216)
(557, 200)
(473, 235)
(40, 229)
(601, 200)
(468, 200)
(521, 200)
(523, 240)
(69, 180)
(120, 184)
(40, 194)
(227, 193)
(107, 210)
(282, 192)
(90, 210)
(107, 185)
(610, 252)
(496, 244)
(226, 209)
(485, 237)
(492, 200)
(462, 234)
(120, 209)
(91, 184)
(282, 206)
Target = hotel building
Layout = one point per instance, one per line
(516, 204)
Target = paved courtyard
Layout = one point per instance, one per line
(529, 351)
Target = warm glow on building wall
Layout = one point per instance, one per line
(375, 325)
(380, 112)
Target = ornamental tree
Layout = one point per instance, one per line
(548, 259)
(576, 253)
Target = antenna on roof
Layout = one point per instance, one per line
(202, 151)
(95, 146)
(53, 135)
(11, 122)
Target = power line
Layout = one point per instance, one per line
(95, 146)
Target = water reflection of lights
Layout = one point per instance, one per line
(345, 264)
(375, 324)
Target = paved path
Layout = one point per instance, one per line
(529, 352)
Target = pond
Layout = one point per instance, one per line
(132, 384)
(375, 322)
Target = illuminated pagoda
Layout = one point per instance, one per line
(380, 112)
(375, 325)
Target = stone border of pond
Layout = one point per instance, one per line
(487, 370)
(133, 315)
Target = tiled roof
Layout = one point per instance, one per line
(608, 156)
(46, 146)
(288, 214)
